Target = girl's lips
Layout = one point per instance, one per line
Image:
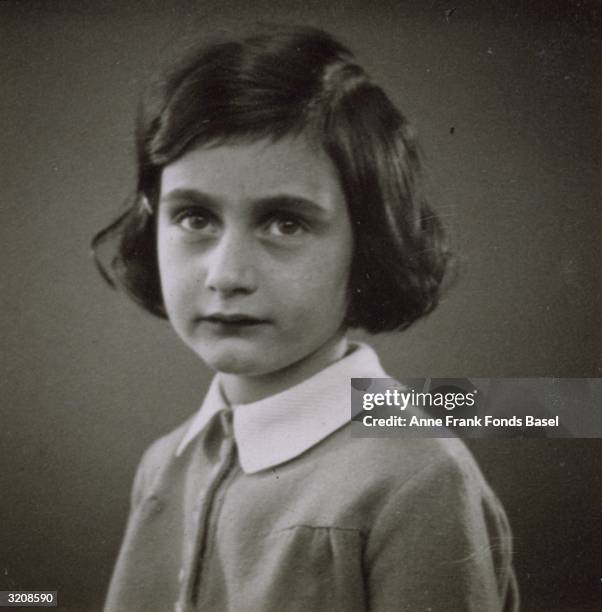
(232, 319)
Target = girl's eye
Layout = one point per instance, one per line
(193, 221)
(285, 226)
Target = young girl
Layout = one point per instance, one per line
(278, 205)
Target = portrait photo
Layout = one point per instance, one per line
(231, 233)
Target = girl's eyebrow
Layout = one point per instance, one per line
(291, 203)
(284, 201)
(188, 196)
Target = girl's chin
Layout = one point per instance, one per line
(241, 363)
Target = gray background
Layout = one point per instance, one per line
(88, 381)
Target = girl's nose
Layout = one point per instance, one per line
(230, 266)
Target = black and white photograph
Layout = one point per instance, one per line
(302, 306)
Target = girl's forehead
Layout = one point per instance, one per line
(291, 165)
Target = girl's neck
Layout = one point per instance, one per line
(247, 389)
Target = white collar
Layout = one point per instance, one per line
(281, 427)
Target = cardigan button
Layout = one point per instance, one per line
(154, 505)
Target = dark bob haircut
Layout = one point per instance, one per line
(281, 81)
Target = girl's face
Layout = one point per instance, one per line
(255, 246)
